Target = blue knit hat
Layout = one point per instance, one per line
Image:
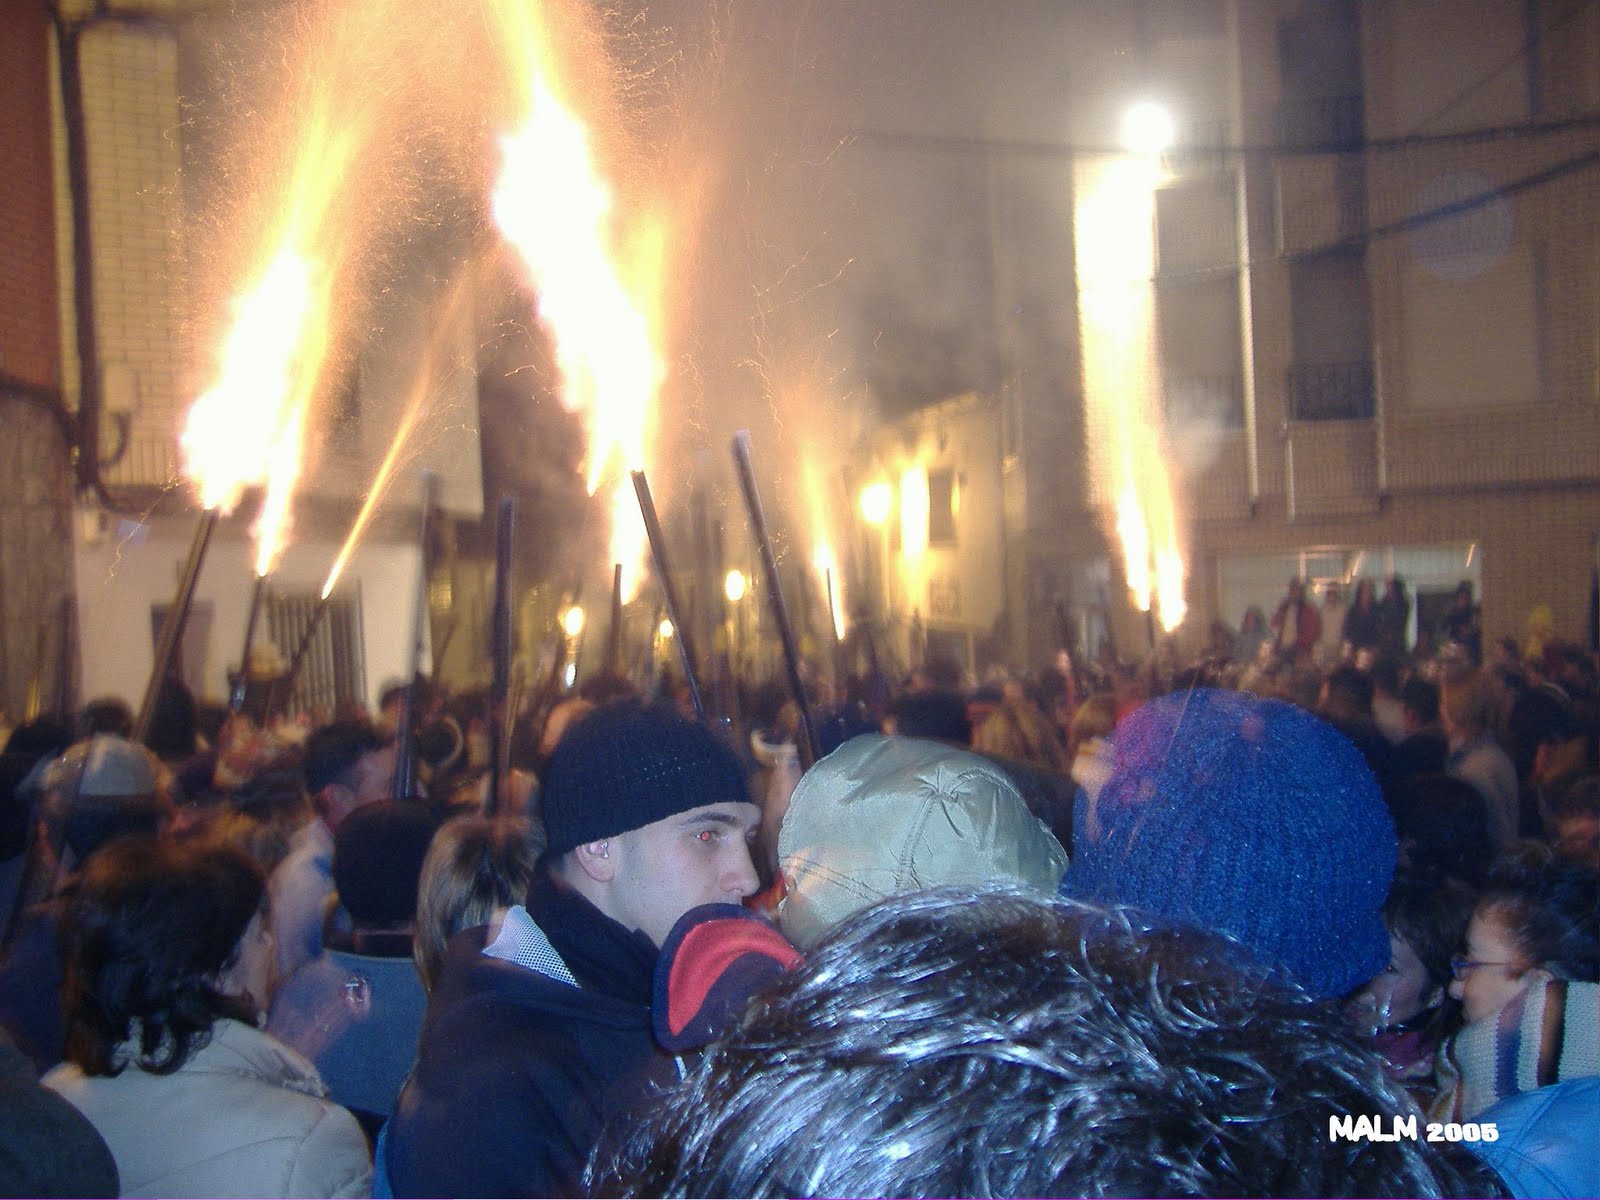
(625, 766)
(1253, 818)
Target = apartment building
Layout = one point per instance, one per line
(1375, 323)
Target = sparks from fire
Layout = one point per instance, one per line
(1115, 264)
(250, 427)
(597, 277)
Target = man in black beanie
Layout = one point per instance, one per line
(538, 1032)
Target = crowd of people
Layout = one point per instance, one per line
(1310, 915)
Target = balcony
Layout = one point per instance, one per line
(1331, 392)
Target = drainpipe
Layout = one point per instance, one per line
(87, 456)
(1247, 332)
(86, 450)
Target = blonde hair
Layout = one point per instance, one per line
(1096, 717)
(476, 867)
(1017, 729)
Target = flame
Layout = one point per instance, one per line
(249, 428)
(444, 326)
(818, 513)
(598, 279)
(232, 429)
(1116, 262)
(1134, 534)
(828, 567)
(629, 541)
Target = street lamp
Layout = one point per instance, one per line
(877, 502)
(572, 621)
(1147, 128)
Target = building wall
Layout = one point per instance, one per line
(29, 347)
(1533, 546)
(35, 471)
(35, 562)
(152, 368)
(1487, 423)
(125, 568)
(135, 240)
(956, 589)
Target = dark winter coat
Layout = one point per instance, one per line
(521, 1069)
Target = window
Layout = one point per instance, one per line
(333, 671)
(943, 501)
(1319, 65)
(1331, 377)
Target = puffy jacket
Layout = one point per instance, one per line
(526, 1059)
(244, 1116)
(1545, 1140)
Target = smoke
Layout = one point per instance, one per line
(867, 208)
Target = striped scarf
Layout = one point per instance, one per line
(1543, 1035)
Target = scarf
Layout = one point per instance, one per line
(1543, 1035)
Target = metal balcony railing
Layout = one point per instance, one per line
(1331, 392)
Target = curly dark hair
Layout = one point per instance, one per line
(148, 929)
(946, 1044)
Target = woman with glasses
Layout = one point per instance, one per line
(1527, 1063)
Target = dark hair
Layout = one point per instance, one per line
(1443, 824)
(946, 1044)
(27, 745)
(1549, 913)
(1421, 696)
(333, 751)
(276, 793)
(1385, 673)
(935, 714)
(1352, 686)
(1578, 797)
(1431, 917)
(148, 928)
(377, 860)
(108, 714)
(607, 687)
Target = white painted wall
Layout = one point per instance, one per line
(133, 565)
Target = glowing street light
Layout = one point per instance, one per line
(1147, 128)
(572, 621)
(665, 630)
(877, 502)
(735, 586)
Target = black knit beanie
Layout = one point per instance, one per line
(625, 766)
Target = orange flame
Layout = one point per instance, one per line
(249, 427)
(1116, 261)
(598, 282)
(1135, 537)
(818, 513)
(828, 567)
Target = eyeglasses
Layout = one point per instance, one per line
(1462, 967)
